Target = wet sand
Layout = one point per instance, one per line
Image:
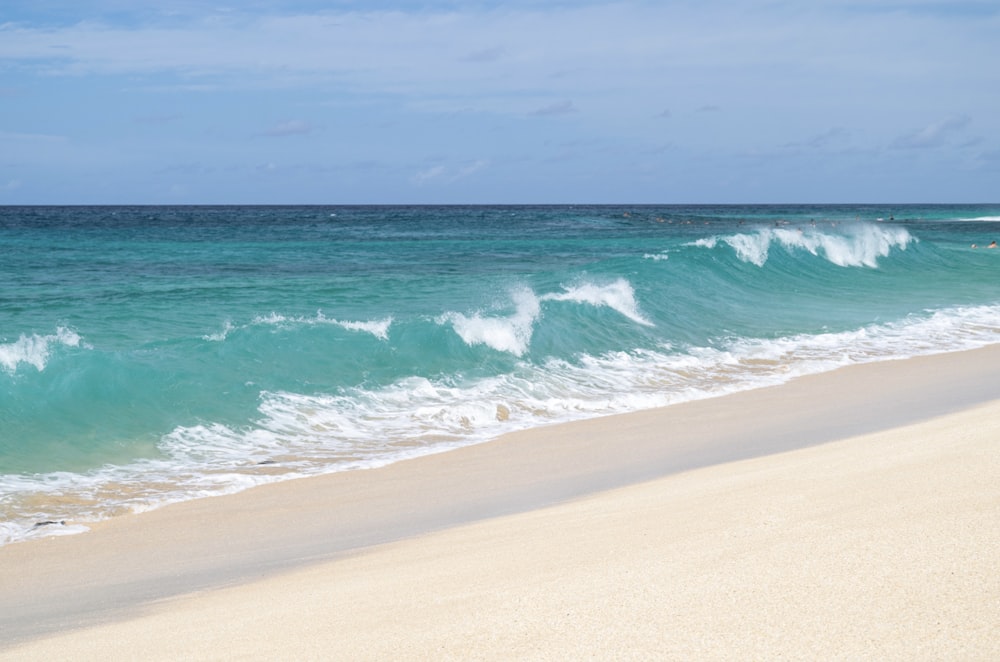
(851, 514)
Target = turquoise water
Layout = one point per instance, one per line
(156, 354)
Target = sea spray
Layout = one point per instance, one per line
(618, 295)
(34, 350)
(510, 333)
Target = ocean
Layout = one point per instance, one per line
(150, 355)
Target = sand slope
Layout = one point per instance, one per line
(882, 546)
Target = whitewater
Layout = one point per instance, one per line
(150, 355)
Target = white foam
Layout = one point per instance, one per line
(221, 335)
(307, 434)
(982, 218)
(751, 248)
(35, 350)
(860, 244)
(618, 295)
(377, 328)
(513, 333)
(19, 531)
(273, 319)
(505, 334)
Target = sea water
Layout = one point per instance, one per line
(150, 355)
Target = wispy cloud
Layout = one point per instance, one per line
(429, 174)
(832, 137)
(290, 128)
(441, 173)
(835, 135)
(932, 135)
(499, 80)
(426, 54)
(557, 108)
(472, 168)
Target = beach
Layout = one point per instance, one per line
(851, 514)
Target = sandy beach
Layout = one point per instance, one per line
(849, 515)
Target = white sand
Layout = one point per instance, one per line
(880, 546)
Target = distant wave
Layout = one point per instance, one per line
(377, 328)
(34, 350)
(513, 333)
(982, 218)
(656, 257)
(859, 246)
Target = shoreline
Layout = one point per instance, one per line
(132, 563)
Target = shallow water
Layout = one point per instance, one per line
(156, 354)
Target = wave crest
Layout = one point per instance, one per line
(504, 334)
(859, 246)
(513, 333)
(377, 328)
(35, 350)
(619, 296)
(299, 434)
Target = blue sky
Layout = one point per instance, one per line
(713, 101)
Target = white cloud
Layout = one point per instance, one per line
(614, 42)
(464, 79)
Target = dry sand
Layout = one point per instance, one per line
(543, 545)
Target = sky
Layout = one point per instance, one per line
(478, 102)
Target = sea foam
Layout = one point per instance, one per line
(860, 245)
(34, 350)
(299, 434)
(618, 295)
(512, 333)
(504, 334)
(378, 328)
